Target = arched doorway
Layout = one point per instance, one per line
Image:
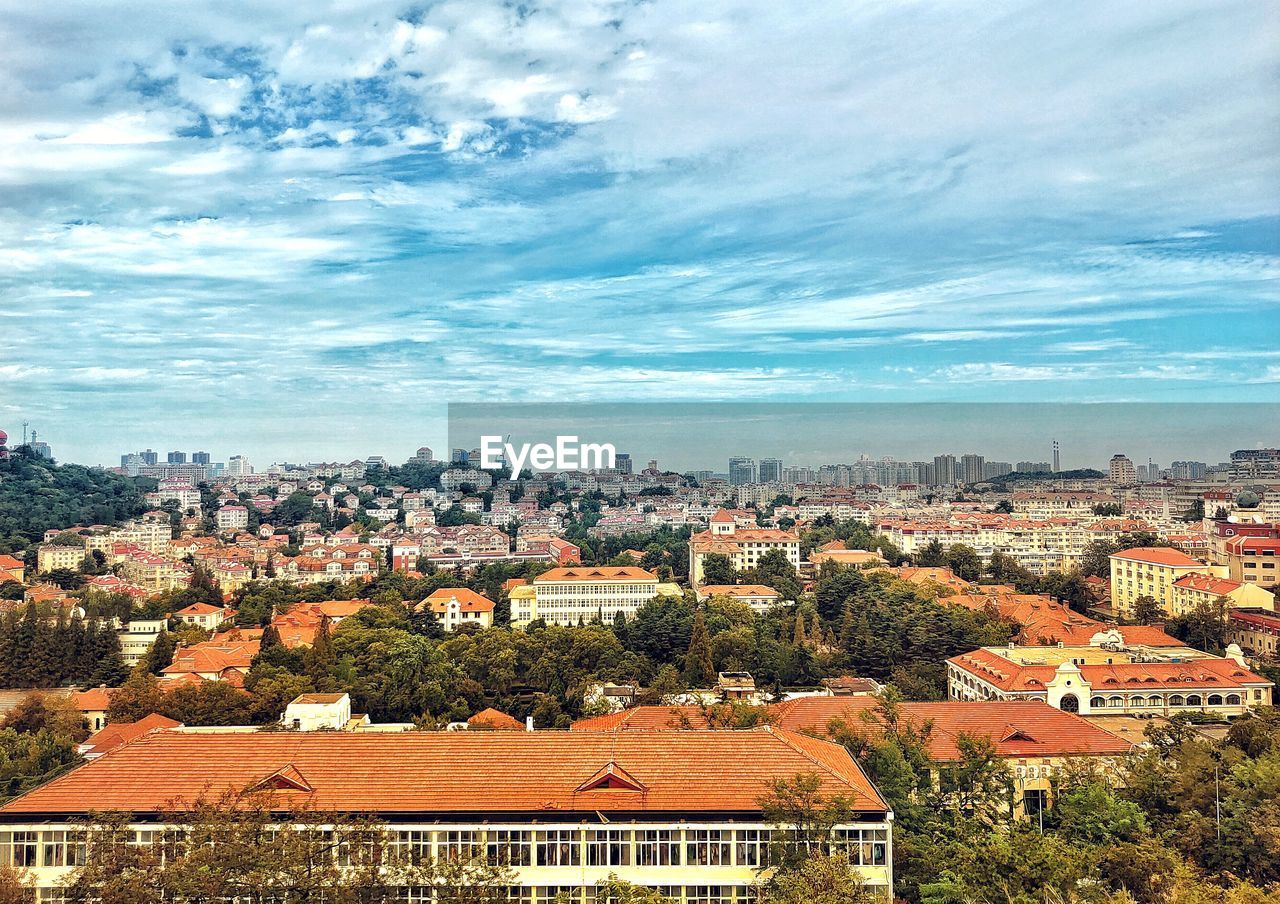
(1069, 704)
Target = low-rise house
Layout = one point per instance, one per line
(204, 615)
(213, 660)
(108, 738)
(1256, 631)
(457, 606)
(757, 596)
(1192, 590)
(321, 712)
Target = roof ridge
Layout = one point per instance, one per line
(785, 735)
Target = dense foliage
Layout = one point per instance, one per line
(39, 649)
(37, 495)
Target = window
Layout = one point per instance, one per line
(459, 845)
(866, 847)
(1233, 699)
(707, 847)
(25, 846)
(418, 894)
(550, 894)
(410, 847)
(609, 847)
(752, 847)
(1034, 802)
(559, 848)
(709, 894)
(657, 847)
(63, 849)
(512, 848)
(1215, 699)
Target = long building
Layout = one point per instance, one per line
(1109, 677)
(679, 811)
(568, 596)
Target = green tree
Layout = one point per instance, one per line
(717, 570)
(699, 669)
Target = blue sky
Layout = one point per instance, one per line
(298, 230)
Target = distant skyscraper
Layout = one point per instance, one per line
(425, 454)
(1057, 465)
(149, 457)
(944, 470)
(971, 468)
(459, 456)
(622, 462)
(1122, 469)
(770, 470)
(177, 458)
(199, 458)
(238, 466)
(742, 470)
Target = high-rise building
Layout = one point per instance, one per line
(1188, 470)
(1122, 469)
(944, 470)
(1057, 464)
(971, 468)
(238, 466)
(1255, 464)
(622, 462)
(741, 471)
(996, 469)
(177, 458)
(200, 458)
(149, 457)
(770, 470)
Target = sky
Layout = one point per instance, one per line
(299, 230)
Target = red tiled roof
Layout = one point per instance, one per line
(95, 699)
(117, 734)
(495, 719)
(1041, 730)
(1196, 673)
(603, 573)
(468, 600)
(424, 773)
(1208, 583)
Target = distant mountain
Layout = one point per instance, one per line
(37, 495)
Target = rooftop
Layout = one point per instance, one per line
(447, 773)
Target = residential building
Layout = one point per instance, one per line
(231, 518)
(770, 470)
(457, 606)
(675, 810)
(1110, 678)
(137, 636)
(1256, 465)
(1255, 631)
(757, 596)
(1121, 470)
(12, 569)
(742, 471)
(1254, 560)
(1149, 571)
(204, 615)
(1191, 590)
(51, 558)
(743, 546)
(569, 596)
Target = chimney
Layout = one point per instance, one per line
(528, 723)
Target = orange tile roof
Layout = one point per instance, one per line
(1158, 555)
(496, 720)
(117, 734)
(426, 773)
(602, 573)
(95, 699)
(1103, 678)
(738, 590)
(1208, 583)
(1017, 728)
(468, 600)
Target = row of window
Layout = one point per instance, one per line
(1117, 702)
(514, 847)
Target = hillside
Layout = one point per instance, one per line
(37, 495)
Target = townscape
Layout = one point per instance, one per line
(968, 680)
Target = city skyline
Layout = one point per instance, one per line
(346, 216)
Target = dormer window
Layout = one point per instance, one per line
(612, 777)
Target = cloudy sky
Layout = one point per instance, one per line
(299, 229)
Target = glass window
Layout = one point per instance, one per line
(609, 847)
(410, 846)
(657, 847)
(459, 845)
(559, 848)
(752, 848)
(707, 847)
(25, 848)
(513, 848)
